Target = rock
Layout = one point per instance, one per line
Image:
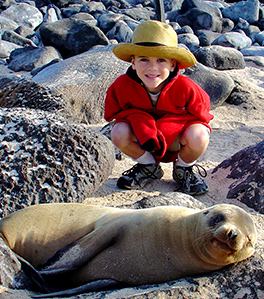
(220, 58)
(52, 14)
(24, 30)
(198, 19)
(11, 274)
(92, 7)
(245, 170)
(253, 51)
(206, 37)
(21, 92)
(7, 24)
(23, 14)
(258, 60)
(72, 36)
(45, 158)
(190, 40)
(6, 48)
(121, 32)
(138, 13)
(234, 40)
(247, 10)
(17, 39)
(216, 83)
(82, 81)
(202, 5)
(239, 95)
(31, 57)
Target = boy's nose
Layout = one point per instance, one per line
(152, 65)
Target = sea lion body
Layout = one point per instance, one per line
(132, 246)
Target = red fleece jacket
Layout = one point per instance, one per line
(181, 103)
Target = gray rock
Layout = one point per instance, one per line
(199, 19)
(121, 32)
(234, 40)
(253, 51)
(45, 158)
(23, 14)
(206, 37)
(92, 7)
(216, 83)
(259, 38)
(220, 58)
(82, 81)
(190, 40)
(247, 10)
(86, 17)
(184, 29)
(258, 60)
(246, 174)
(72, 36)
(138, 13)
(107, 21)
(11, 274)
(29, 58)
(7, 24)
(202, 5)
(52, 14)
(6, 48)
(21, 92)
(24, 30)
(15, 38)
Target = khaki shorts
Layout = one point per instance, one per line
(176, 145)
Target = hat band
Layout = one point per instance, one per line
(150, 44)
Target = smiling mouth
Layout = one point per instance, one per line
(152, 76)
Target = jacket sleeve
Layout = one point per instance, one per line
(198, 103)
(112, 107)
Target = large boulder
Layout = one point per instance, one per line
(216, 83)
(72, 36)
(220, 58)
(82, 81)
(45, 158)
(245, 172)
(22, 92)
(32, 57)
(23, 14)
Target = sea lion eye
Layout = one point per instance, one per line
(216, 219)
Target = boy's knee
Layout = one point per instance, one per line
(196, 136)
(121, 134)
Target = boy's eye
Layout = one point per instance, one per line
(161, 60)
(143, 59)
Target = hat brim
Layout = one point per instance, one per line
(184, 58)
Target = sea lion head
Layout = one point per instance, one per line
(228, 237)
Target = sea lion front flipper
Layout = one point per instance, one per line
(82, 250)
(98, 285)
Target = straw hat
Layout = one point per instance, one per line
(155, 39)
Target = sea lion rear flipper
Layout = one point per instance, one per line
(33, 274)
(98, 285)
(83, 250)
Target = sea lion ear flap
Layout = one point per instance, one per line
(76, 254)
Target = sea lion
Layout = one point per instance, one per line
(73, 244)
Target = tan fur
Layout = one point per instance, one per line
(132, 246)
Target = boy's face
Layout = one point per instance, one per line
(153, 71)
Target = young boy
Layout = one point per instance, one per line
(160, 115)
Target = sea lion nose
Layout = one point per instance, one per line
(232, 235)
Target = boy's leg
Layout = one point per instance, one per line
(194, 141)
(146, 169)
